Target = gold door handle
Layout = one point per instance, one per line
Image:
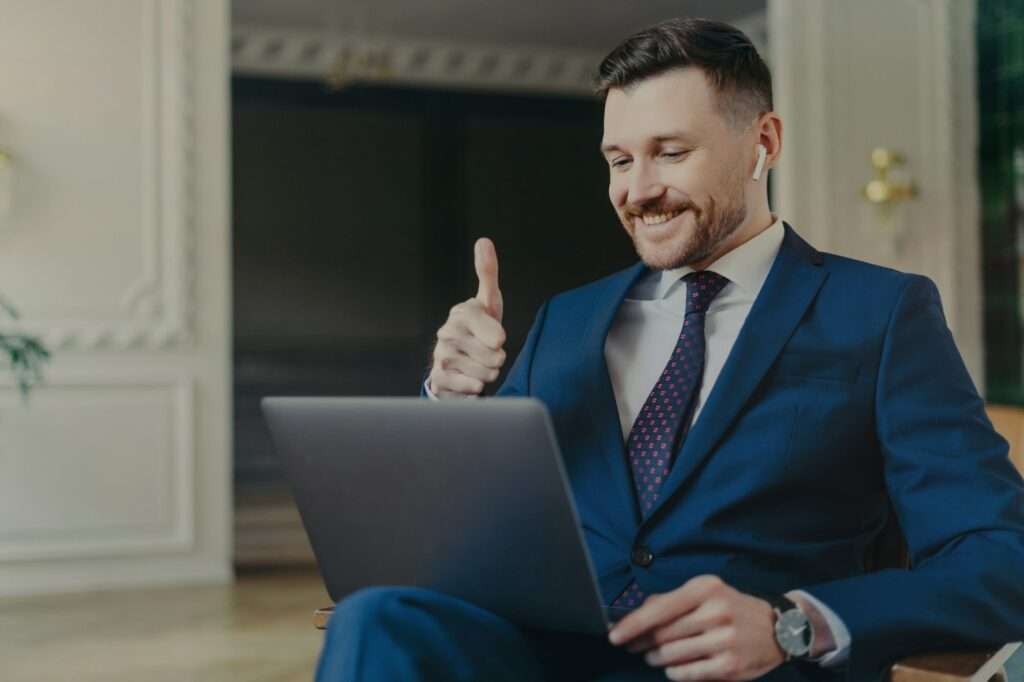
(883, 190)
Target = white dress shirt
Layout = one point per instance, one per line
(644, 332)
(646, 327)
(643, 336)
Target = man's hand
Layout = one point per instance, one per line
(704, 630)
(469, 353)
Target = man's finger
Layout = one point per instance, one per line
(713, 668)
(486, 329)
(463, 364)
(486, 261)
(456, 384)
(654, 613)
(478, 352)
(701, 619)
(693, 623)
(642, 643)
(680, 651)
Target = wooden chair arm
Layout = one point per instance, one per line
(954, 666)
(321, 616)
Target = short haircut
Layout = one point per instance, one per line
(738, 75)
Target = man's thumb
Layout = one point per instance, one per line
(488, 293)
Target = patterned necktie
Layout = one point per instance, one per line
(664, 419)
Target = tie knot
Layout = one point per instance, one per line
(701, 289)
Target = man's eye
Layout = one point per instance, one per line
(678, 154)
(620, 162)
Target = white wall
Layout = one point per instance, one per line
(850, 76)
(117, 252)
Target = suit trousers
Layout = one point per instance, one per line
(418, 635)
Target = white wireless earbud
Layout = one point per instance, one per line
(761, 154)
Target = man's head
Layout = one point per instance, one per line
(687, 102)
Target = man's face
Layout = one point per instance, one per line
(678, 171)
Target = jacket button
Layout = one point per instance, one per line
(642, 556)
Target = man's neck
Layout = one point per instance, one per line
(748, 231)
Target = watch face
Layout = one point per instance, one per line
(793, 632)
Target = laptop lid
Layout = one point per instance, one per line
(466, 497)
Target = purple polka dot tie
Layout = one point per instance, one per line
(664, 419)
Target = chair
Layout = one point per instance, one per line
(890, 551)
(950, 667)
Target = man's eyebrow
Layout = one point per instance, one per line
(675, 136)
(680, 136)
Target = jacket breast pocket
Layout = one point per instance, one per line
(817, 367)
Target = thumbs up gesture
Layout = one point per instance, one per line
(469, 351)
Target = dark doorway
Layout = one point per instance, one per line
(355, 217)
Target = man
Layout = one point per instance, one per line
(737, 414)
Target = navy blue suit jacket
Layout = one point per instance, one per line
(843, 392)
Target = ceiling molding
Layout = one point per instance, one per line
(346, 59)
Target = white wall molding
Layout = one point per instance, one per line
(340, 58)
(154, 310)
(960, 124)
(143, 503)
(31, 578)
(322, 55)
(802, 182)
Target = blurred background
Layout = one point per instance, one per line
(207, 202)
(372, 144)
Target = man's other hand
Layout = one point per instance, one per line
(469, 352)
(704, 630)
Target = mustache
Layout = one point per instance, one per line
(639, 209)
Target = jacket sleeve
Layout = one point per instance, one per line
(517, 383)
(958, 498)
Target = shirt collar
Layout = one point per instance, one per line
(746, 266)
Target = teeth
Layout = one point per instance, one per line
(658, 218)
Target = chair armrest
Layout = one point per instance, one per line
(959, 666)
(321, 616)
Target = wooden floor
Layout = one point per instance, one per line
(259, 630)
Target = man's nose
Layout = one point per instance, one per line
(644, 186)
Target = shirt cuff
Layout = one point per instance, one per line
(840, 633)
(426, 389)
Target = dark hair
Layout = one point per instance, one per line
(724, 53)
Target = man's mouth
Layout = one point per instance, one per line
(659, 218)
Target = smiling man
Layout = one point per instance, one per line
(679, 179)
(738, 414)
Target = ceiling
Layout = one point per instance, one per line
(578, 24)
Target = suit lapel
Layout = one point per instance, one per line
(604, 412)
(791, 285)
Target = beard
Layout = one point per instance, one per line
(713, 224)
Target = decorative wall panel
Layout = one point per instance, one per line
(97, 465)
(97, 248)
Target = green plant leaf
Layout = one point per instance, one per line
(23, 355)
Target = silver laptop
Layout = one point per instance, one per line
(466, 497)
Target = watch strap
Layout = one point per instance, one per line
(781, 604)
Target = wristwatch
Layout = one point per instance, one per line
(793, 630)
